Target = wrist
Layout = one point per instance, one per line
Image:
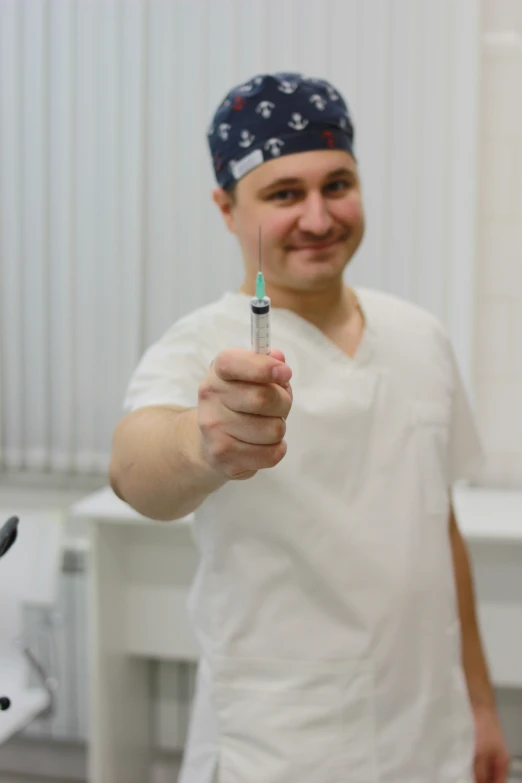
(482, 696)
(210, 475)
(483, 705)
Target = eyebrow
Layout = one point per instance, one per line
(286, 181)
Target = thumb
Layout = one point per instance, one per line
(277, 354)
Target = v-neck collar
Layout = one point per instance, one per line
(307, 333)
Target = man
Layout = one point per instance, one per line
(333, 601)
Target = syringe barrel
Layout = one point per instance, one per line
(260, 325)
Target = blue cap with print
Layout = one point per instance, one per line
(274, 115)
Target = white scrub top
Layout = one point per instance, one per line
(325, 602)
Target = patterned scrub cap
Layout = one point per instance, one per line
(274, 115)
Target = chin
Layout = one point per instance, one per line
(315, 280)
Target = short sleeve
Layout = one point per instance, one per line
(170, 371)
(466, 450)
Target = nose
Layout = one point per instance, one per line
(315, 217)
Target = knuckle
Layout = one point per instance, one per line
(279, 429)
(287, 406)
(207, 421)
(222, 363)
(208, 428)
(259, 398)
(276, 454)
(226, 362)
(205, 391)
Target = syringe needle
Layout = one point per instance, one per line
(260, 280)
(260, 269)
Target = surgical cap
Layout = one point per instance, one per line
(274, 115)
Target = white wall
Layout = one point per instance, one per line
(498, 333)
(498, 308)
(107, 230)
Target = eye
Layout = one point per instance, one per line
(283, 195)
(339, 186)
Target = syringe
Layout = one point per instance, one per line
(260, 313)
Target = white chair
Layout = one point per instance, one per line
(29, 573)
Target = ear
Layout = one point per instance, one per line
(225, 205)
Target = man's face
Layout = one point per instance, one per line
(309, 207)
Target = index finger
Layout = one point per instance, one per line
(239, 364)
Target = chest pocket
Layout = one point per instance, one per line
(431, 422)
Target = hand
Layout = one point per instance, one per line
(242, 411)
(491, 752)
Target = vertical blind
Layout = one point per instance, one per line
(107, 229)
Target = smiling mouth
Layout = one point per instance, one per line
(320, 245)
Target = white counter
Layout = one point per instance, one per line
(483, 514)
(489, 515)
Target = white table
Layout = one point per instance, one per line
(140, 572)
(491, 522)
